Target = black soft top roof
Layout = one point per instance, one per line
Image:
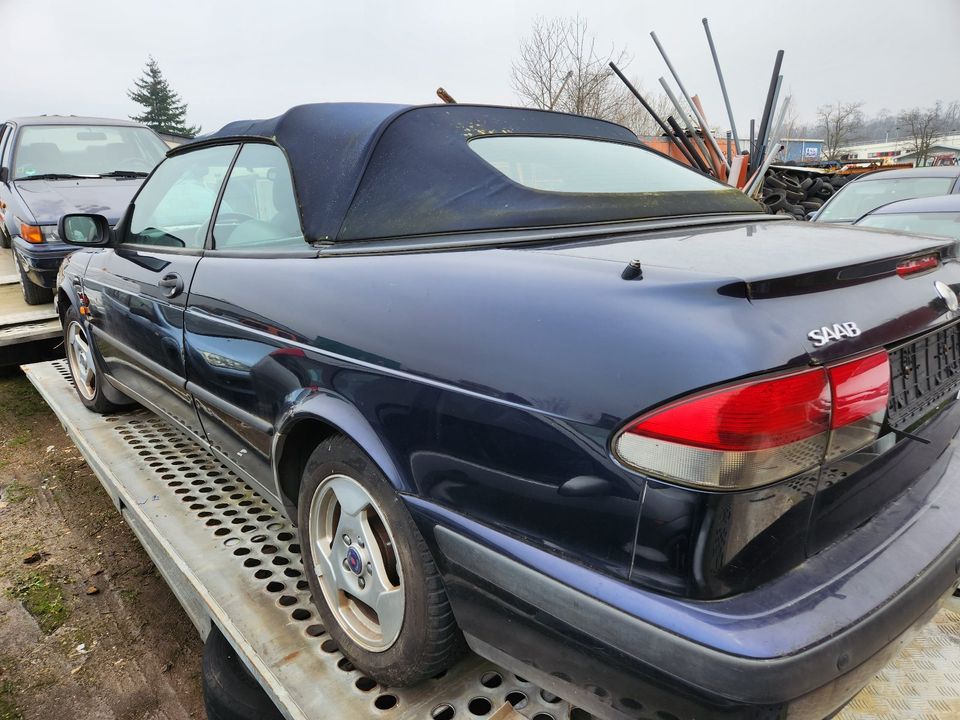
(366, 171)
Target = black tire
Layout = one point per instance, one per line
(774, 182)
(94, 400)
(811, 204)
(230, 692)
(429, 640)
(807, 182)
(776, 200)
(794, 196)
(33, 294)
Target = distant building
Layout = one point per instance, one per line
(800, 150)
(898, 151)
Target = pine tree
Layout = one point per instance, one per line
(164, 111)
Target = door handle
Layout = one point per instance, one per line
(172, 284)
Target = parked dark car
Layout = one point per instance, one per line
(871, 190)
(522, 382)
(939, 215)
(51, 165)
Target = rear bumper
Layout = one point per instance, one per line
(798, 647)
(41, 261)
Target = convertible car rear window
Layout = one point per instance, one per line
(583, 165)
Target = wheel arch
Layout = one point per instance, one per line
(308, 424)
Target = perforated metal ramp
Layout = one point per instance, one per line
(232, 559)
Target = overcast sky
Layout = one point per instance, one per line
(255, 58)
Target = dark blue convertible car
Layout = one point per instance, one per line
(530, 387)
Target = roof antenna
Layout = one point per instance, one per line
(445, 96)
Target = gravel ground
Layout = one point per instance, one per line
(88, 628)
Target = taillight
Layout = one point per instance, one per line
(917, 265)
(761, 431)
(860, 391)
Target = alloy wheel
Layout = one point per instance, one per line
(356, 562)
(80, 360)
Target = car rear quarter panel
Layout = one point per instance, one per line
(492, 377)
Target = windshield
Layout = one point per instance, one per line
(89, 150)
(578, 165)
(859, 198)
(934, 223)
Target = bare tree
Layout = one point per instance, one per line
(638, 119)
(840, 123)
(561, 67)
(924, 125)
(541, 71)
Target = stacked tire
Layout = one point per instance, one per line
(798, 194)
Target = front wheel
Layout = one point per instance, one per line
(33, 294)
(87, 377)
(372, 577)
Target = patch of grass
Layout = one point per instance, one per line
(21, 438)
(20, 398)
(17, 492)
(8, 708)
(42, 597)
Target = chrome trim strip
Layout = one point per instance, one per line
(440, 384)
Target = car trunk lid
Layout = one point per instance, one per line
(837, 293)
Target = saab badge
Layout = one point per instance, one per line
(948, 295)
(822, 335)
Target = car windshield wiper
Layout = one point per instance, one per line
(55, 176)
(125, 174)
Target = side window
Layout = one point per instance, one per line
(174, 208)
(258, 211)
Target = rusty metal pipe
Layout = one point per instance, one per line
(656, 118)
(682, 136)
(686, 123)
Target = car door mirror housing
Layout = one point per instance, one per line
(85, 230)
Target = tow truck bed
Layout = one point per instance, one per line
(19, 322)
(232, 560)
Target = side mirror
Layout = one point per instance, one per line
(85, 230)
(4, 174)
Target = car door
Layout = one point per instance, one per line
(137, 290)
(240, 364)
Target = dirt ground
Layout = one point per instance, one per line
(88, 628)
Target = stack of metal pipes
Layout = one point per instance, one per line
(688, 129)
